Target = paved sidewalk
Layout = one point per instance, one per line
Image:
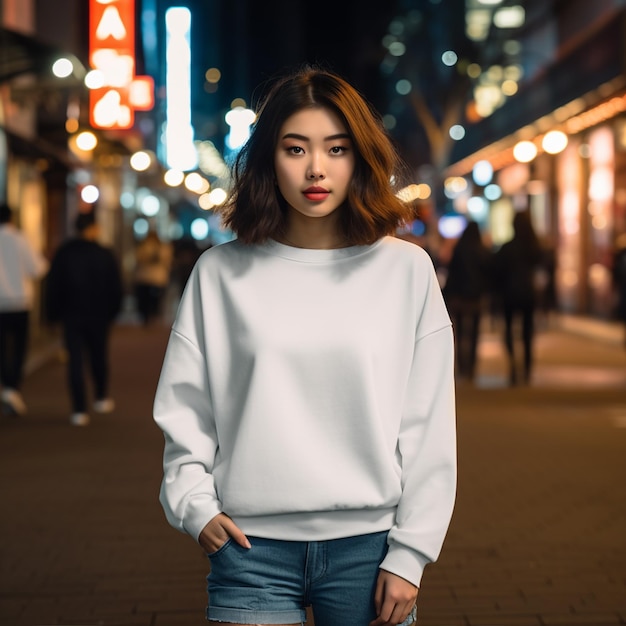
(537, 537)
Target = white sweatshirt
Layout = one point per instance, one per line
(309, 395)
(20, 264)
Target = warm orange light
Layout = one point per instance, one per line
(141, 93)
(597, 115)
(554, 141)
(112, 52)
(471, 112)
(110, 108)
(112, 26)
(524, 151)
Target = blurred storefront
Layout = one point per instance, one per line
(571, 118)
(46, 166)
(33, 170)
(54, 160)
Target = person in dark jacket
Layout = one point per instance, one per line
(515, 265)
(467, 283)
(619, 280)
(84, 293)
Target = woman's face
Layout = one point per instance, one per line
(314, 162)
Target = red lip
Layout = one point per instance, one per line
(316, 193)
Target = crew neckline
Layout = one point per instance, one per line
(315, 255)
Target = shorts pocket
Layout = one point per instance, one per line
(221, 549)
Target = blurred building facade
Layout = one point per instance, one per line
(556, 141)
(53, 161)
(34, 166)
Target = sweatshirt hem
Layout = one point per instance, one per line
(317, 526)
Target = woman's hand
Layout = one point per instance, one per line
(217, 532)
(394, 599)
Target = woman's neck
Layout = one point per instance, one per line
(317, 234)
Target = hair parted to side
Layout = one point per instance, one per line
(256, 211)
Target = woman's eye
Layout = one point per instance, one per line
(295, 150)
(338, 149)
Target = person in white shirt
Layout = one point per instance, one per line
(307, 391)
(20, 265)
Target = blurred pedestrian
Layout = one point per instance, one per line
(545, 280)
(84, 293)
(153, 263)
(468, 282)
(20, 265)
(307, 393)
(515, 266)
(619, 280)
(186, 254)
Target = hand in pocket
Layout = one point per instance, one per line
(217, 532)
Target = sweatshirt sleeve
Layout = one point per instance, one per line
(427, 445)
(182, 409)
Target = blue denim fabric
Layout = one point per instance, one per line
(273, 582)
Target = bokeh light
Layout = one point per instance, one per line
(140, 161)
(482, 173)
(199, 229)
(525, 151)
(86, 140)
(554, 142)
(457, 132)
(62, 68)
(449, 58)
(173, 178)
(89, 194)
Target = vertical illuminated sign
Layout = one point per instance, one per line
(112, 53)
(181, 153)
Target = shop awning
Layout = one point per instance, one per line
(24, 54)
(600, 61)
(35, 149)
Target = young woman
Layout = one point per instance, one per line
(307, 392)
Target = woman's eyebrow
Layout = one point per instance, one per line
(304, 138)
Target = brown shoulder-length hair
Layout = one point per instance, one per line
(256, 210)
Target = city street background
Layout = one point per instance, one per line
(537, 537)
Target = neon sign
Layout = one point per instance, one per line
(112, 52)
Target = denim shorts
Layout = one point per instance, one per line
(274, 581)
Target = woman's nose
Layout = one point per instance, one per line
(316, 169)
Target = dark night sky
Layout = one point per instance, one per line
(250, 41)
(342, 34)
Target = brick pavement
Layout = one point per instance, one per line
(537, 536)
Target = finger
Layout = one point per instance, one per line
(393, 613)
(235, 532)
(379, 594)
(401, 612)
(385, 613)
(214, 534)
(209, 541)
(412, 611)
(380, 621)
